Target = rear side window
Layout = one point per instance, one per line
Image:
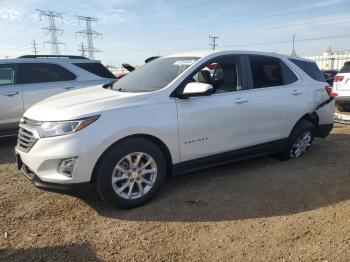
(345, 68)
(270, 71)
(310, 68)
(96, 68)
(43, 73)
(7, 75)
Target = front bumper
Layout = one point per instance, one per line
(32, 177)
(44, 157)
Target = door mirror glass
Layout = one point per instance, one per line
(197, 89)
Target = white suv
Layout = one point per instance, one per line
(171, 116)
(341, 88)
(29, 79)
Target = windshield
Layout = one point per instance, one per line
(154, 75)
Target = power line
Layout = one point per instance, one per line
(53, 30)
(34, 47)
(90, 34)
(213, 43)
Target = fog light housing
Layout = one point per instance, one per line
(66, 166)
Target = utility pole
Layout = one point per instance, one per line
(34, 47)
(82, 49)
(89, 33)
(293, 49)
(213, 43)
(53, 30)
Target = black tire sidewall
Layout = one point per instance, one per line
(113, 156)
(298, 130)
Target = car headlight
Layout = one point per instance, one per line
(50, 129)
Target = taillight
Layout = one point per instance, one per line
(330, 92)
(338, 78)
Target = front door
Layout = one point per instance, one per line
(219, 122)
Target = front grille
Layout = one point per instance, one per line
(26, 139)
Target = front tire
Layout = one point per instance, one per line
(131, 173)
(299, 141)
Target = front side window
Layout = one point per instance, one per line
(154, 75)
(43, 73)
(223, 74)
(7, 75)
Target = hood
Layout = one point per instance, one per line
(81, 103)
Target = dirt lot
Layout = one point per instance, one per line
(256, 210)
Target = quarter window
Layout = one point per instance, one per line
(96, 69)
(310, 68)
(7, 75)
(43, 73)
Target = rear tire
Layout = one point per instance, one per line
(299, 141)
(131, 173)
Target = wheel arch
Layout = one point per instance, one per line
(310, 117)
(158, 142)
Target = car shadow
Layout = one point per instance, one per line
(260, 187)
(7, 146)
(75, 252)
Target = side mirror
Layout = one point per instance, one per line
(197, 89)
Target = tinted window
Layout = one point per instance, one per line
(96, 68)
(266, 71)
(288, 76)
(154, 75)
(7, 75)
(310, 68)
(41, 73)
(345, 68)
(224, 75)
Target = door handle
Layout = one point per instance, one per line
(240, 101)
(10, 94)
(297, 92)
(69, 88)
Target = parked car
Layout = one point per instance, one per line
(29, 79)
(160, 121)
(329, 75)
(341, 88)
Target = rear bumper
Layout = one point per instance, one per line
(324, 130)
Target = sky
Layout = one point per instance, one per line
(133, 30)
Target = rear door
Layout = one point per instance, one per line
(11, 103)
(42, 80)
(278, 98)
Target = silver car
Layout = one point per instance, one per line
(29, 79)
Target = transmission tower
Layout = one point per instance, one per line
(213, 43)
(53, 30)
(90, 34)
(82, 49)
(34, 47)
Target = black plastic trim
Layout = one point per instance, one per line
(324, 130)
(231, 156)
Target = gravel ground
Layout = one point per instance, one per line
(256, 210)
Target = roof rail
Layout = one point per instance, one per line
(54, 56)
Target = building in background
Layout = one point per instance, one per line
(331, 59)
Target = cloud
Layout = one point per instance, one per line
(10, 14)
(116, 15)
